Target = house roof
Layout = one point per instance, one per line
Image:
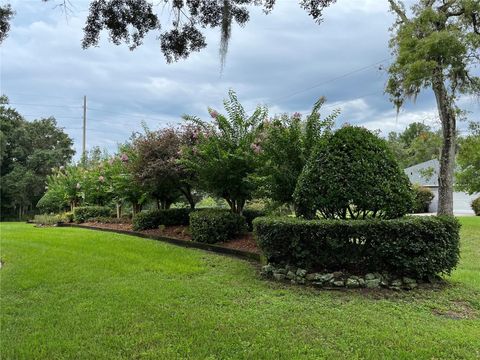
(425, 174)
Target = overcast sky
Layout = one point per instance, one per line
(283, 60)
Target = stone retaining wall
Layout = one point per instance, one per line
(338, 279)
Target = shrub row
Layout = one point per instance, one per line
(154, 218)
(174, 217)
(83, 213)
(413, 246)
(215, 225)
(111, 220)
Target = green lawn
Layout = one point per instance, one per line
(71, 293)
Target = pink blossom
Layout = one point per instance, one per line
(213, 113)
(124, 157)
(297, 115)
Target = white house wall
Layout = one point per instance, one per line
(461, 202)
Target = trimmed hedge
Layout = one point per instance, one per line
(111, 220)
(154, 218)
(476, 206)
(215, 225)
(250, 215)
(413, 246)
(83, 213)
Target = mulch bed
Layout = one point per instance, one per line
(245, 242)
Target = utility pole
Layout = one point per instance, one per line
(84, 140)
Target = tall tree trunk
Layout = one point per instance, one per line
(447, 159)
(119, 210)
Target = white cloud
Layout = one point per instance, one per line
(283, 59)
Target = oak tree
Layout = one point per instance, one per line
(436, 46)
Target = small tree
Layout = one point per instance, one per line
(225, 157)
(352, 174)
(285, 146)
(123, 185)
(158, 166)
(67, 181)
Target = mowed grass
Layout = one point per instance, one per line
(78, 294)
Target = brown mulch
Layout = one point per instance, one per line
(245, 242)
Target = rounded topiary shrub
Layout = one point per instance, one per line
(352, 174)
(476, 206)
(51, 201)
(422, 198)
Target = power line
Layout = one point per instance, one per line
(46, 105)
(342, 76)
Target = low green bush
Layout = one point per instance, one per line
(250, 214)
(154, 218)
(46, 219)
(476, 206)
(215, 225)
(422, 197)
(83, 213)
(111, 220)
(66, 217)
(411, 246)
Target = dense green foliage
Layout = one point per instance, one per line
(352, 174)
(225, 157)
(52, 201)
(416, 144)
(97, 180)
(468, 161)
(417, 247)
(72, 293)
(422, 197)
(476, 206)
(284, 146)
(158, 167)
(85, 213)
(250, 215)
(28, 152)
(154, 218)
(215, 225)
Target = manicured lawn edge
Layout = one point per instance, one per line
(246, 255)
